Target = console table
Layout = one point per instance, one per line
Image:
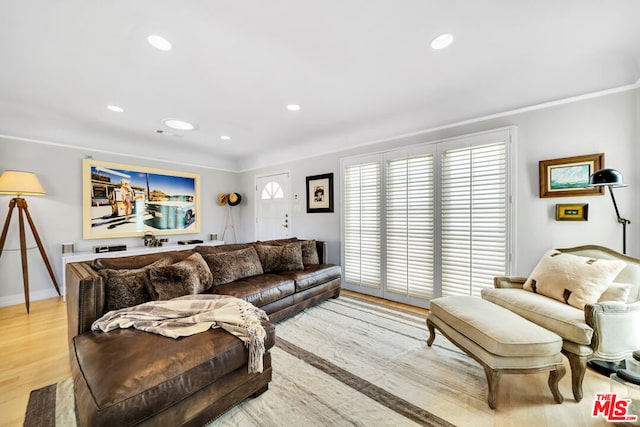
(88, 256)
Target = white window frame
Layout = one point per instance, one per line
(507, 134)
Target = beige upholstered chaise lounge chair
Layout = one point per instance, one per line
(605, 330)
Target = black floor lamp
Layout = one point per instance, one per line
(20, 183)
(612, 178)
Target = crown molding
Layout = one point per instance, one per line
(527, 109)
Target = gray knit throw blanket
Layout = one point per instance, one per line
(192, 314)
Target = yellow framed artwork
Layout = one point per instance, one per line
(572, 212)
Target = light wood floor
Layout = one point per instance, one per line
(35, 354)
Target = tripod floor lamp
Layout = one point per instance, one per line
(612, 178)
(23, 183)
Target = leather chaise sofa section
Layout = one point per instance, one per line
(131, 377)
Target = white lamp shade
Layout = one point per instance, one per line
(20, 183)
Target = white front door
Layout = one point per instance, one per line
(272, 207)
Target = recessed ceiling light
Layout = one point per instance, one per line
(178, 124)
(293, 107)
(115, 108)
(225, 137)
(442, 41)
(159, 42)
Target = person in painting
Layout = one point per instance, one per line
(318, 195)
(126, 193)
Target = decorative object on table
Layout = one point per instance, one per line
(320, 193)
(611, 178)
(123, 200)
(229, 199)
(569, 176)
(572, 212)
(152, 241)
(24, 184)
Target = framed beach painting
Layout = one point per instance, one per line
(123, 200)
(569, 176)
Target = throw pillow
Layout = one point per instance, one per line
(280, 258)
(572, 279)
(617, 292)
(189, 276)
(128, 287)
(138, 261)
(278, 242)
(227, 267)
(309, 252)
(205, 250)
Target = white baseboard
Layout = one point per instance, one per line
(33, 296)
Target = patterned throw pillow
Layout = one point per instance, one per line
(227, 267)
(138, 261)
(309, 252)
(572, 279)
(280, 258)
(128, 287)
(188, 277)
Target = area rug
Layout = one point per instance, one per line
(346, 361)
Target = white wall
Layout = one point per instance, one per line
(319, 226)
(58, 215)
(607, 124)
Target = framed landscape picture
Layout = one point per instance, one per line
(569, 176)
(320, 193)
(123, 200)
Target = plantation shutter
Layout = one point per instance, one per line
(362, 215)
(409, 226)
(474, 218)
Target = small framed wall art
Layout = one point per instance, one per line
(572, 212)
(320, 193)
(569, 176)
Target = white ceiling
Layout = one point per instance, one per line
(362, 70)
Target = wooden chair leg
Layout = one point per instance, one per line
(432, 333)
(578, 369)
(554, 379)
(493, 378)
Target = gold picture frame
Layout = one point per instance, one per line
(572, 212)
(569, 176)
(120, 200)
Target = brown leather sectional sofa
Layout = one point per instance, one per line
(130, 377)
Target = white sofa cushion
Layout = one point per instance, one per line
(572, 279)
(563, 319)
(617, 292)
(497, 330)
